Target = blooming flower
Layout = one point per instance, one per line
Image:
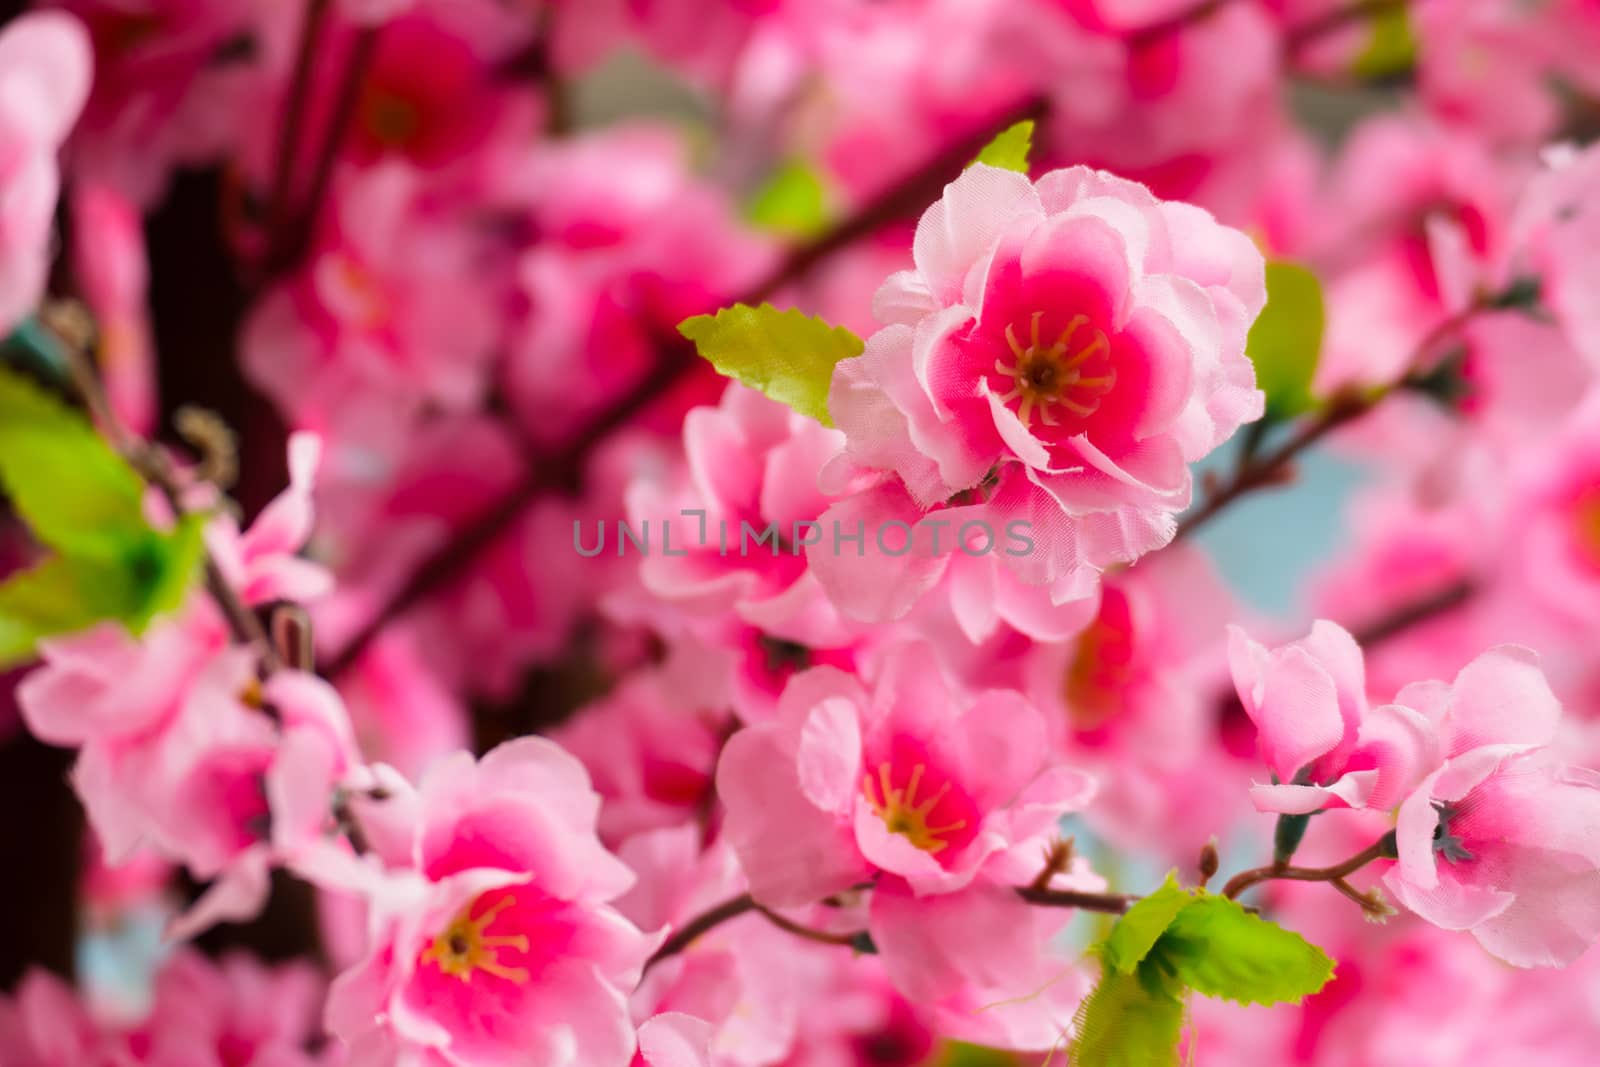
(1501, 839)
(1077, 337)
(496, 946)
(1315, 730)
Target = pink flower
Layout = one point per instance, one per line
(1077, 332)
(1502, 843)
(908, 779)
(262, 564)
(499, 946)
(1314, 729)
(44, 80)
(752, 467)
(1499, 838)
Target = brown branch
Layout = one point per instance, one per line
(1417, 611)
(1275, 466)
(290, 243)
(677, 357)
(1383, 848)
(153, 464)
(280, 208)
(822, 937)
(1108, 903)
(700, 925)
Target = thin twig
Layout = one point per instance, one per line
(822, 937)
(281, 207)
(700, 925)
(1342, 409)
(1383, 848)
(1109, 903)
(1418, 611)
(153, 464)
(296, 236)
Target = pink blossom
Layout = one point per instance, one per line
(907, 779)
(1500, 838)
(751, 468)
(1502, 843)
(1314, 727)
(262, 564)
(1077, 331)
(44, 80)
(500, 944)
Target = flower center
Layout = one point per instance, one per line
(1445, 843)
(1047, 376)
(466, 946)
(904, 814)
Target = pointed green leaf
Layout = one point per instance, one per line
(793, 202)
(960, 1054)
(787, 355)
(1221, 950)
(65, 481)
(1286, 340)
(1137, 932)
(1129, 1020)
(1010, 148)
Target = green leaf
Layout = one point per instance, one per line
(86, 502)
(1221, 950)
(1137, 932)
(1010, 148)
(65, 594)
(793, 202)
(787, 355)
(1392, 48)
(1286, 339)
(54, 597)
(67, 483)
(1129, 1020)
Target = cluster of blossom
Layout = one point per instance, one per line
(811, 805)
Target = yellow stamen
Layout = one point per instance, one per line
(1049, 376)
(465, 946)
(904, 814)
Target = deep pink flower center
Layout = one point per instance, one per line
(1052, 377)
